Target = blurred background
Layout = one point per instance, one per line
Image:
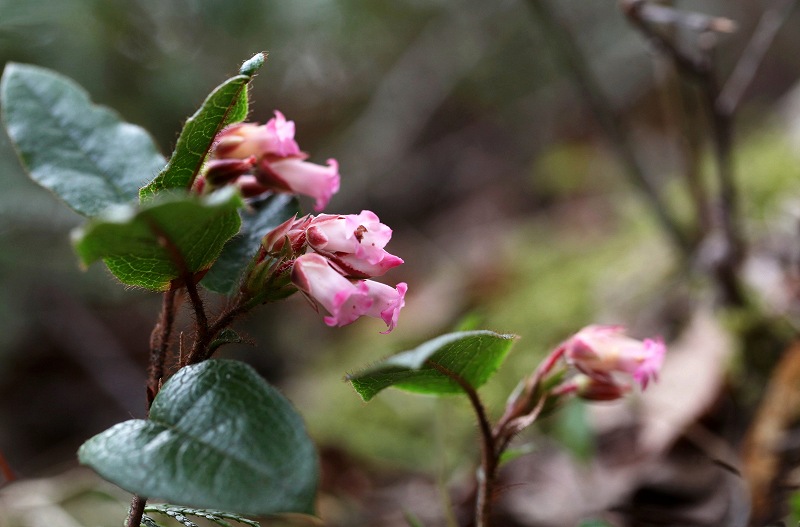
(462, 125)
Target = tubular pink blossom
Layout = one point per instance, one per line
(344, 300)
(355, 242)
(294, 175)
(600, 351)
(347, 300)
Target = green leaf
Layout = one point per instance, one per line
(83, 153)
(144, 247)
(257, 220)
(471, 355)
(220, 437)
(227, 104)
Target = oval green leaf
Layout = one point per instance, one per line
(258, 218)
(220, 437)
(472, 356)
(227, 104)
(153, 245)
(82, 152)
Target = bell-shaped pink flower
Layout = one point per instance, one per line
(278, 164)
(346, 300)
(292, 174)
(355, 242)
(600, 351)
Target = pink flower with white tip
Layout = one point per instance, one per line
(600, 351)
(346, 300)
(354, 242)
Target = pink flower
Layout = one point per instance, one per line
(600, 351)
(292, 174)
(278, 164)
(243, 140)
(344, 299)
(354, 242)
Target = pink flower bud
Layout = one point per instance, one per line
(354, 242)
(293, 230)
(600, 351)
(250, 139)
(344, 299)
(594, 389)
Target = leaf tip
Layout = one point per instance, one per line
(252, 65)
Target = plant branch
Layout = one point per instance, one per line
(136, 511)
(159, 345)
(768, 26)
(727, 260)
(489, 456)
(569, 53)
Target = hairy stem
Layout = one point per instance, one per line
(489, 456)
(159, 345)
(136, 511)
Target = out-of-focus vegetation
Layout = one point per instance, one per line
(457, 125)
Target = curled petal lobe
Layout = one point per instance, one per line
(279, 137)
(387, 302)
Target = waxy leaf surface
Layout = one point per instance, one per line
(470, 355)
(258, 219)
(82, 152)
(148, 246)
(220, 437)
(227, 104)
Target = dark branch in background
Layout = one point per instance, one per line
(568, 53)
(724, 243)
(763, 36)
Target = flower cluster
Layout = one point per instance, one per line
(266, 158)
(592, 364)
(331, 260)
(603, 356)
